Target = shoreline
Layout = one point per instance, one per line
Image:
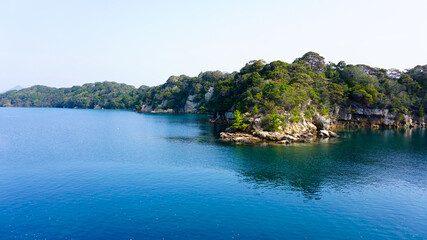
(300, 132)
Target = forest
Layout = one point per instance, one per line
(304, 87)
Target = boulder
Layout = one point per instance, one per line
(324, 133)
(239, 137)
(290, 138)
(270, 136)
(332, 134)
(322, 123)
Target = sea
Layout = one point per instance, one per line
(114, 174)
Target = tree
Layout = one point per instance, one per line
(238, 123)
(255, 110)
(272, 122)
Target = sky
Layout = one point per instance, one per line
(72, 42)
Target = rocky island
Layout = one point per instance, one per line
(274, 102)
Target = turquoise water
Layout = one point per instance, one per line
(98, 174)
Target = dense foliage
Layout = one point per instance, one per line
(109, 95)
(302, 88)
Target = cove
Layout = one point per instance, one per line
(104, 174)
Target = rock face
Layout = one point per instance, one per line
(322, 123)
(324, 133)
(301, 132)
(320, 127)
(146, 108)
(239, 137)
(374, 118)
(209, 94)
(274, 137)
(191, 105)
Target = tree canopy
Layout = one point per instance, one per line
(308, 84)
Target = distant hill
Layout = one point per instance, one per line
(17, 88)
(108, 95)
(303, 88)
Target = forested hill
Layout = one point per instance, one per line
(108, 95)
(304, 87)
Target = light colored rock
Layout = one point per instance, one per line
(209, 94)
(290, 138)
(324, 133)
(169, 110)
(172, 79)
(322, 123)
(283, 142)
(190, 105)
(239, 137)
(146, 108)
(332, 134)
(270, 136)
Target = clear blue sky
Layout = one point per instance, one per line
(71, 42)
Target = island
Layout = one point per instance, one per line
(274, 102)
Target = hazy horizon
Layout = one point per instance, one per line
(62, 44)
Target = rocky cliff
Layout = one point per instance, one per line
(374, 118)
(320, 126)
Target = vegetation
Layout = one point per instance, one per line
(302, 88)
(238, 123)
(272, 122)
(108, 95)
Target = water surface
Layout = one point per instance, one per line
(100, 174)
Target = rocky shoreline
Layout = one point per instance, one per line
(321, 127)
(274, 137)
(301, 132)
(305, 131)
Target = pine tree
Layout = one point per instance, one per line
(238, 123)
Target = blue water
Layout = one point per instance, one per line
(99, 174)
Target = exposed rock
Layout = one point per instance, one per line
(256, 123)
(270, 136)
(324, 133)
(322, 123)
(163, 111)
(239, 137)
(394, 73)
(190, 105)
(172, 79)
(283, 142)
(373, 118)
(306, 131)
(332, 134)
(209, 94)
(146, 108)
(290, 138)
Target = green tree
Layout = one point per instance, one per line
(238, 123)
(272, 122)
(255, 110)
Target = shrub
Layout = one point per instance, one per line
(255, 110)
(421, 111)
(296, 115)
(272, 122)
(238, 123)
